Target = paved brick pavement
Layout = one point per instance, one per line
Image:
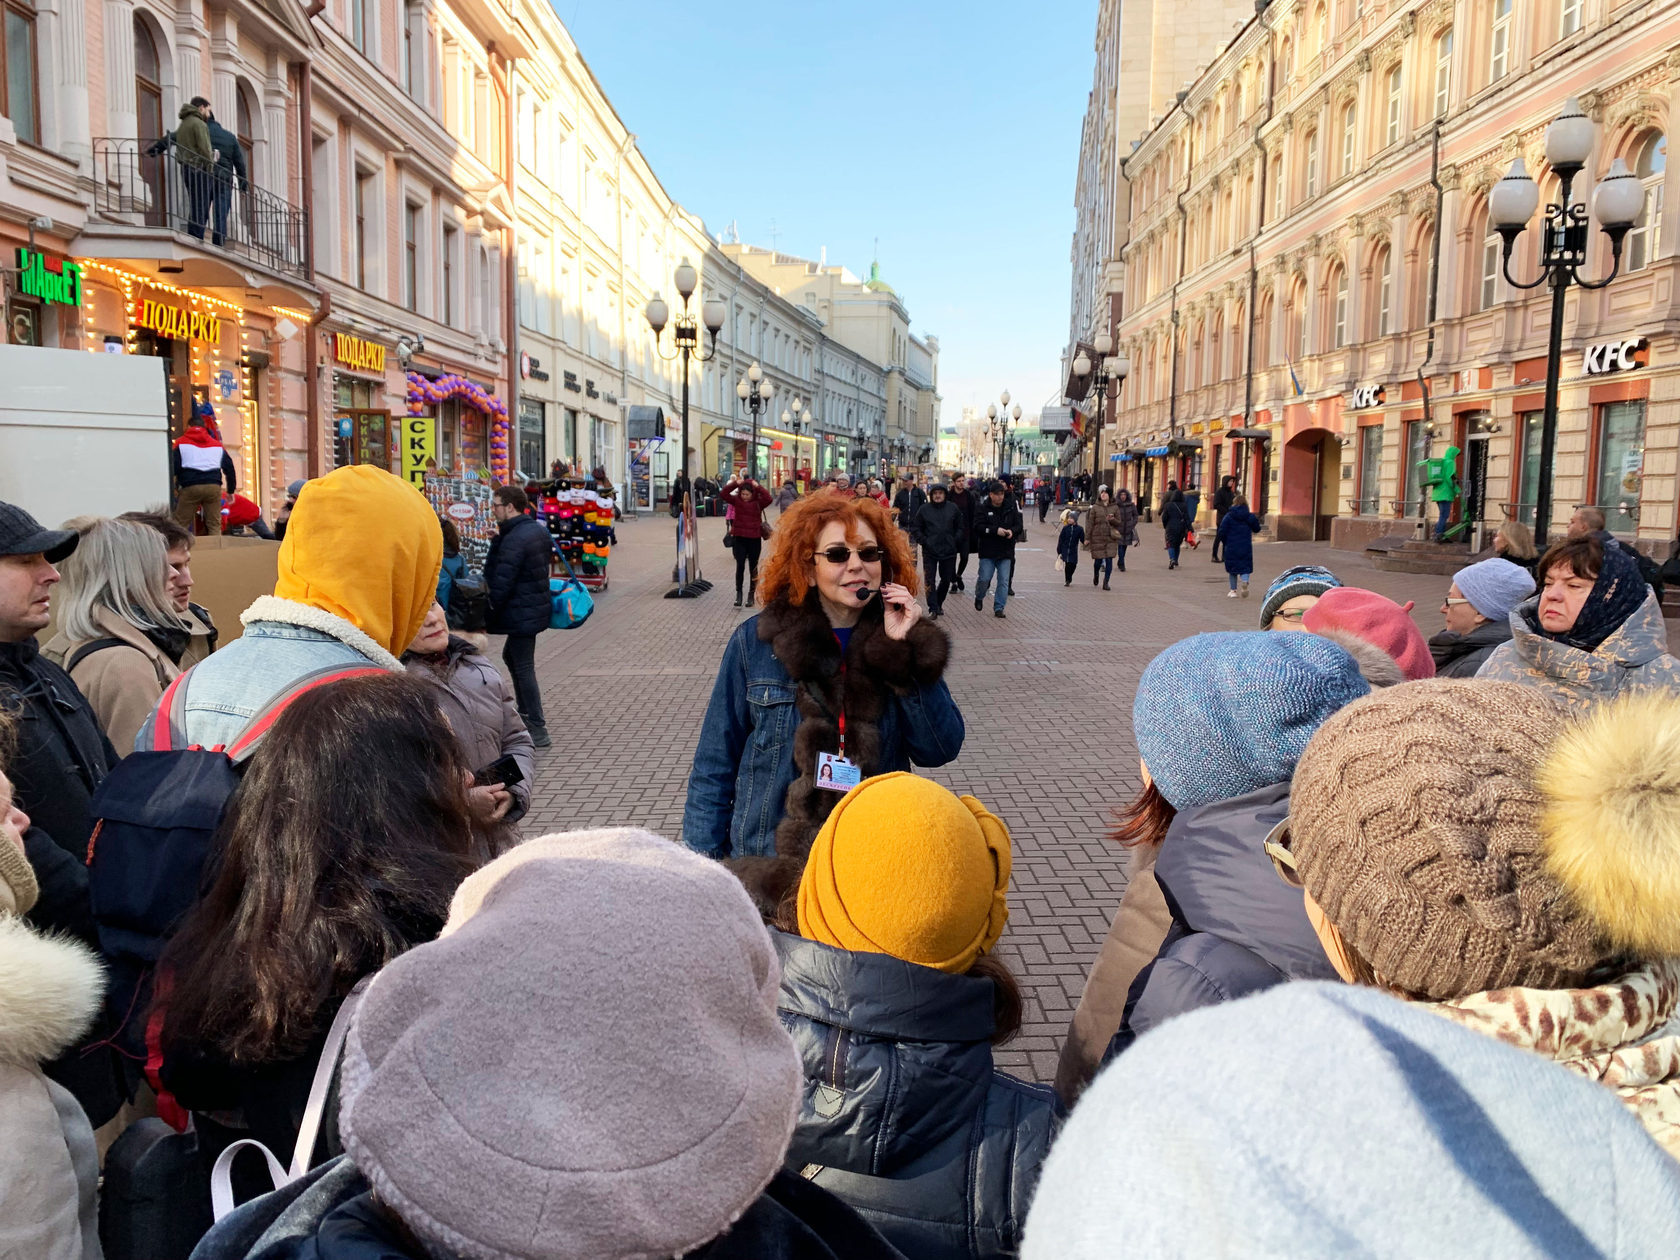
(1046, 694)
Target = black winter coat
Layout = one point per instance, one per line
(902, 1109)
(516, 571)
(1237, 928)
(988, 520)
(330, 1214)
(944, 529)
(1175, 518)
(964, 499)
(910, 504)
(1461, 655)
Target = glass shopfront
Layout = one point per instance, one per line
(1370, 469)
(1621, 463)
(1528, 479)
(533, 459)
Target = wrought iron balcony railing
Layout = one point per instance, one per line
(143, 188)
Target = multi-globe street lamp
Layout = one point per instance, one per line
(686, 335)
(998, 426)
(794, 416)
(1108, 368)
(1563, 251)
(754, 389)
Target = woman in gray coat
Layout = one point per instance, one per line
(1102, 536)
(480, 708)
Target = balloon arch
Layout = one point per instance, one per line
(424, 393)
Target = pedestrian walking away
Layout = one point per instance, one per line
(1237, 527)
(748, 499)
(943, 530)
(1175, 522)
(198, 465)
(1223, 499)
(1127, 515)
(1104, 529)
(516, 571)
(1068, 543)
(997, 527)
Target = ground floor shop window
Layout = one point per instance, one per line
(1417, 450)
(533, 459)
(1532, 430)
(604, 446)
(569, 436)
(1621, 461)
(1370, 469)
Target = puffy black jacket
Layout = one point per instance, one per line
(230, 155)
(330, 1214)
(944, 528)
(910, 503)
(988, 520)
(516, 571)
(902, 1109)
(1237, 928)
(1461, 655)
(1175, 518)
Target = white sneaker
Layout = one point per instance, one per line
(1230, 594)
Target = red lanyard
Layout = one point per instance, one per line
(842, 717)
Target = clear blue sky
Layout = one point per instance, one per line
(949, 131)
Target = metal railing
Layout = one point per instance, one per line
(158, 190)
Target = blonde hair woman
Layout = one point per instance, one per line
(119, 636)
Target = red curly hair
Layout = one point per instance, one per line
(788, 572)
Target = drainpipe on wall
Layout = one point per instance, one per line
(311, 341)
(510, 259)
(1260, 209)
(623, 472)
(1183, 229)
(1434, 287)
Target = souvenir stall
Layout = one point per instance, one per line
(579, 514)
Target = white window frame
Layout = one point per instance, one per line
(1642, 240)
(1350, 123)
(1443, 72)
(1488, 290)
(1395, 99)
(1569, 17)
(1385, 298)
(1339, 323)
(1499, 39)
(1312, 165)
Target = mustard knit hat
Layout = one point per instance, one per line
(905, 867)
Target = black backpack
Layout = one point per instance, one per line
(155, 815)
(469, 603)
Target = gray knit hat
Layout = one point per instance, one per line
(588, 1063)
(1414, 821)
(1494, 587)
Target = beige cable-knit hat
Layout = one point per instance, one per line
(588, 1064)
(1414, 821)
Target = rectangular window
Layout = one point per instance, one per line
(1393, 133)
(413, 59)
(449, 235)
(1490, 272)
(1641, 241)
(411, 256)
(1312, 166)
(1348, 124)
(1528, 484)
(1621, 462)
(361, 240)
(17, 70)
(532, 458)
(1417, 447)
(1385, 300)
(1443, 73)
(360, 20)
(1340, 329)
(1278, 191)
(1370, 469)
(1569, 20)
(1499, 50)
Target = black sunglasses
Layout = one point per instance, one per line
(839, 555)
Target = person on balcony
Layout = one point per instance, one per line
(196, 154)
(230, 173)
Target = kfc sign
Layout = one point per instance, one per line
(1612, 356)
(1367, 396)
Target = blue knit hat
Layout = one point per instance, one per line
(1494, 587)
(1221, 715)
(1303, 579)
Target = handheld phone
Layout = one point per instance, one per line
(502, 772)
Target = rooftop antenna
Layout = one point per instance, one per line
(774, 233)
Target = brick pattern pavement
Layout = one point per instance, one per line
(1046, 694)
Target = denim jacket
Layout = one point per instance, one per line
(744, 765)
(283, 641)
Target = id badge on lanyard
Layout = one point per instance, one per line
(838, 773)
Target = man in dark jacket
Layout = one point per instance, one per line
(944, 531)
(60, 757)
(964, 499)
(516, 571)
(198, 465)
(907, 508)
(230, 173)
(1223, 498)
(1175, 522)
(997, 527)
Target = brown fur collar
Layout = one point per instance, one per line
(877, 668)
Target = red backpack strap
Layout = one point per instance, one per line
(168, 721)
(245, 743)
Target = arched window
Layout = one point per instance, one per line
(20, 93)
(1239, 103)
(1487, 292)
(1298, 317)
(1391, 132)
(245, 129)
(1443, 71)
(1499, 41)
(1196, 362)
(1216, 351)
(148, 84)
(1339, 308)
(1350, 122)
(1385, 293)
(1284, 67)
(1642, 241)
(1280, 191)
(1321, 29)
(1311, 142)
(1266, 338)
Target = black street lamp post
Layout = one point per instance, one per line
(1108, 369)
(1563, 252)
(754, 389)
(998, 425)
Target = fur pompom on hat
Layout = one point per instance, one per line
(1611, 820)
(1414, 820)
(905, 867)
(586, 1065)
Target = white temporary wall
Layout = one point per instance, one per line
(82, 433)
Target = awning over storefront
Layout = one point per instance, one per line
(1256, 435)
(1153, 451)
(1187, 444)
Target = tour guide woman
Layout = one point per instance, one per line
(840, 664)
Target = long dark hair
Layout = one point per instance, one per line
(1144, 820)
(339, 851)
